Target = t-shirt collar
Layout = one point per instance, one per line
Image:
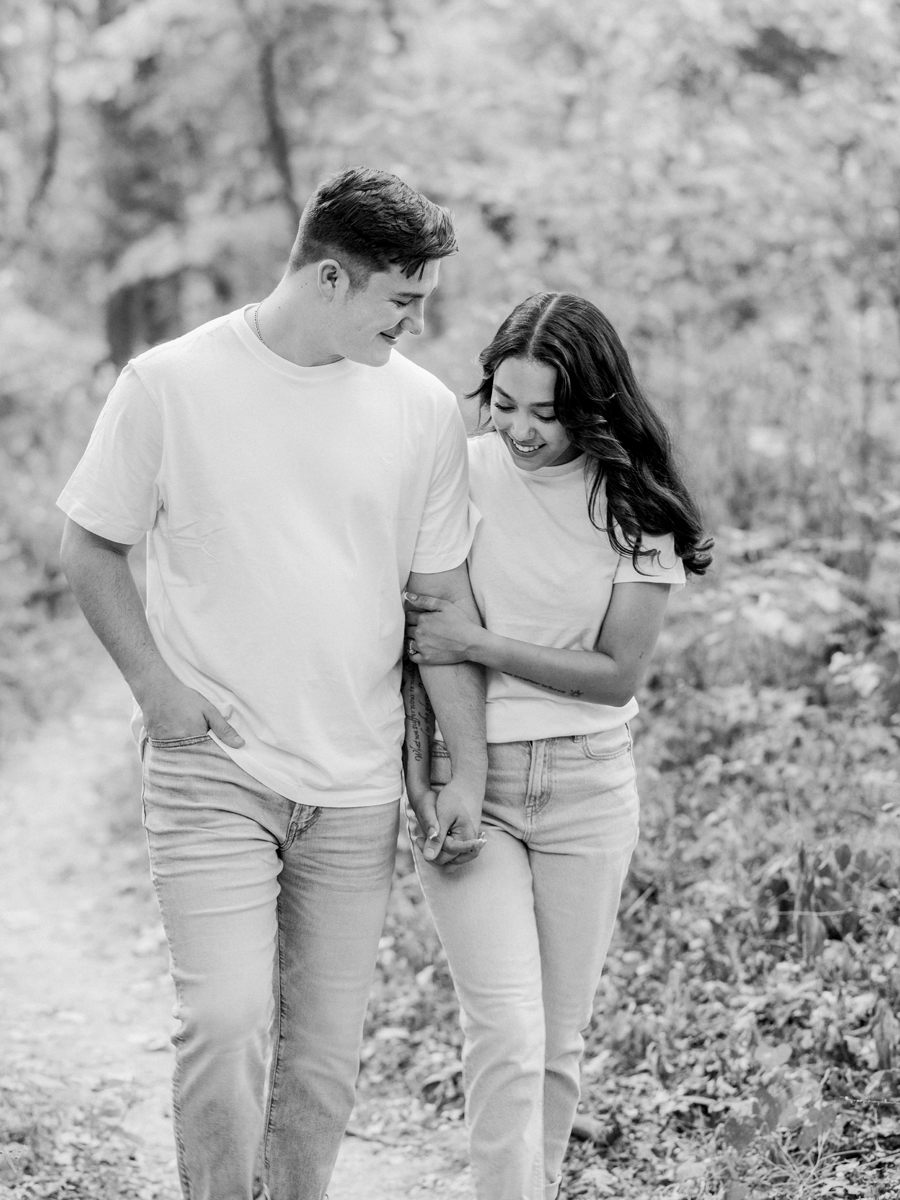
(320, 374)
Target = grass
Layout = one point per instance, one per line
(745, 1039)
(68, 1146)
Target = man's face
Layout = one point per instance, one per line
(368, 322)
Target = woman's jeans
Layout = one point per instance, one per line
(526, 927)
(273, 911)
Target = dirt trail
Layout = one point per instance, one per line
(85, 998)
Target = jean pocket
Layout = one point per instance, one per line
(440, 765)
(611, 743)
(178, 743)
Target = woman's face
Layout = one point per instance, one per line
(522, 412)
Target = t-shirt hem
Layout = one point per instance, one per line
(317, 797)
(565, 725)
(675, 584)
(431, 565)
(94, 523)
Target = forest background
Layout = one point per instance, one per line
(723, 178)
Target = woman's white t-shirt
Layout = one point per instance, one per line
(543, 573)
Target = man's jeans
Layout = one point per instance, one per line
(526, 927)
(273, 911)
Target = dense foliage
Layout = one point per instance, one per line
(745, 1038)
(720, 175)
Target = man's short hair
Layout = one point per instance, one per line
(370, 221)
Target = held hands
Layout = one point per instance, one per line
(171, 710)
(438, 632)
(445, 824)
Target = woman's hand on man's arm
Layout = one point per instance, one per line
(449, 633)
(609, 675)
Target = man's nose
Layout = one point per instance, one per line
(414, 321)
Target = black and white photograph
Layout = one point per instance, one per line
(449, 600)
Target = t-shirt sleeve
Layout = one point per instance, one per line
(664, 567)
(114, 490)
(448, 521)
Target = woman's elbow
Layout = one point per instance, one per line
(617, 691)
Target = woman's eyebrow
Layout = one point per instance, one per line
(507, 396)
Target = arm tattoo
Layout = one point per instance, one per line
(419, 714)
(574, 693)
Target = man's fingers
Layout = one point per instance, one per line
(412, 620)
(222, 729)
(452, 857)
(429, 824)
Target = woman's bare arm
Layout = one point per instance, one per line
(610, 675)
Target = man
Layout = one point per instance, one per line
(293, 474)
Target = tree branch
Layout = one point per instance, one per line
(277, 142)
(50, 155)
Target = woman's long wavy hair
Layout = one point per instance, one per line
(600, 404)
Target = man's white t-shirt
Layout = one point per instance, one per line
(543, 573)
(285, 507)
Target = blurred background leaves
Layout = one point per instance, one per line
(721, 177)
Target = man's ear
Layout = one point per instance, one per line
(331, 278)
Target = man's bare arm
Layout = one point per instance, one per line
(456, 692)
(418, 734)
(101, 578)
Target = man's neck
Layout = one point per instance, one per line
(278, 322)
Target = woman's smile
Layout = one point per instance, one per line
(523, 449)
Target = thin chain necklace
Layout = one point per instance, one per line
(256, 323)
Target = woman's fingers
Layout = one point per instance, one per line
(422, 603)
(470, 846)
(468, 856)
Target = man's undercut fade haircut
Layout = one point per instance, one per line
(370, 221)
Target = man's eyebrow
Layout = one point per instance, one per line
(507, 396)
(412, 295)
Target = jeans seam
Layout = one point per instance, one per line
(605, 757)
(181, 1155)
(277, 1040)
(532, 788)
(548, 764)
(141, 749)
(295, 825)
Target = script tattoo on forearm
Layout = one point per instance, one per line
(574, 693)
(419, 713)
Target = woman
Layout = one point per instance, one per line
(586, 526)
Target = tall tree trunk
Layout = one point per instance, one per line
(50, 149)
(277, 142)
